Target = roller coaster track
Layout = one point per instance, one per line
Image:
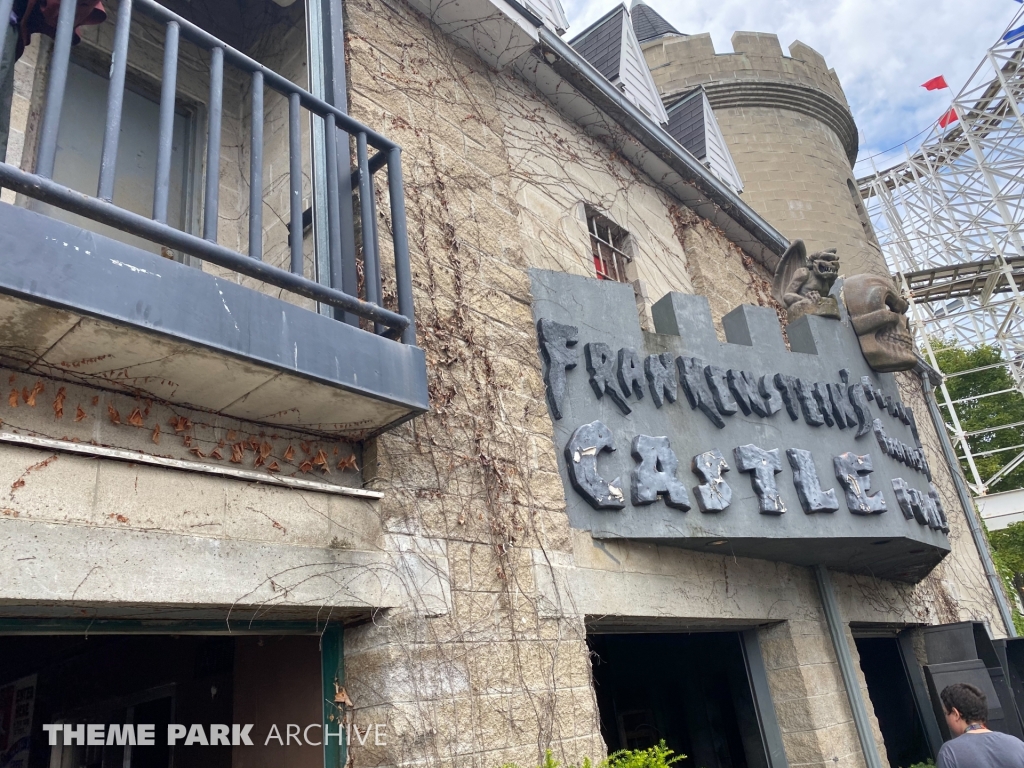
(949, 218)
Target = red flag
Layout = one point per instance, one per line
(948, 118)
(935, 83)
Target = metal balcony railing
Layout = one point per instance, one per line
(341, 291)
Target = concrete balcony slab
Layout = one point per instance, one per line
(84, 307)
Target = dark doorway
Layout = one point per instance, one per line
(692, 690)
(158, 680)
(893, 701)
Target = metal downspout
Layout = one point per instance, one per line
(837, 629)
(969, 512)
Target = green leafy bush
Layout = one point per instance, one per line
(658, 756)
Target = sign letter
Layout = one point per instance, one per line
(841, 409)
(858, 396)
(812, 413)
(713, 494)
(744, 389)
(805, 478)
(940, 514)
(910, 501)
(581, 453)
(659, 375)
(631, 377)
(556, 342)
(853, 473)
(771, 396)
(718, 382)
(695, 385)
(601, 367)
(786, 386)
(763, 466)
(655, 474)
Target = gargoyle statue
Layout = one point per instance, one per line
(802, 284)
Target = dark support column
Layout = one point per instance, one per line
(771, 734)
(335, 77)
(920, 690)
(336, 81)
(332, 664)
(315, 33)
(837, 629)
(331, 84)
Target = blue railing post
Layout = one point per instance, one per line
(295, 182)
(256, 170)
(59, 62)
(342, 294)
(400, 238)
(115, 101)
(165, 140)
(211, 212)
(367, 210)
(333, 203)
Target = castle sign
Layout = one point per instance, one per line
(804, 455)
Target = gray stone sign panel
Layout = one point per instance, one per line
(803, 455)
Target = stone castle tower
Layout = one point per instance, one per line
(787, 124)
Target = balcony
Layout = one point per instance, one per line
(193, 226)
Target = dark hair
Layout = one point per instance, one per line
(966, 699)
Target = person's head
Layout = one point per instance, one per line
(964, 705)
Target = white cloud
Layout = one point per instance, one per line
(882, 50)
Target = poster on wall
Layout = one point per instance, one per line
(16, 703)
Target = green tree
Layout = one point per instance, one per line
(981, 412)
(1008, 554)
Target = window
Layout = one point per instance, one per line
(80, 147)
(609, 245)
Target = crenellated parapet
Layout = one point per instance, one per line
(755, 74)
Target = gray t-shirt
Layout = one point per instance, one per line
(982, 750)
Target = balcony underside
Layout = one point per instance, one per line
(85, 307)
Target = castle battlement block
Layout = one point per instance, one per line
(757, 44)
(788, 128)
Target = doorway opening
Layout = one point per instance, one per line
(691, 690)
(81, 687)
(893, 700)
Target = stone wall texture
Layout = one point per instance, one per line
(787, 124)
(497, 183)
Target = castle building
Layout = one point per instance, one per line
(402, 383)
(787, 124)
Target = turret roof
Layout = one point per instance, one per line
(648, 24)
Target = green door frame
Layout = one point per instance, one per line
(332, 653)
(332, 665)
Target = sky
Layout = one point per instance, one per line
(882, 50)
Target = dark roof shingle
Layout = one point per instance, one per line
(648, 23)
(686, 124)
(601, 44)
